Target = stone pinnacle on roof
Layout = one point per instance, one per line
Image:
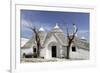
(41, 29)
(56, 26)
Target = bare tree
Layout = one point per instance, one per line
(37, 39)
(70, 39)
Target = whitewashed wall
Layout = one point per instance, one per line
(79, 54)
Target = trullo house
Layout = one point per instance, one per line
(54, 45)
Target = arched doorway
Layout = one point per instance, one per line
(54, 51)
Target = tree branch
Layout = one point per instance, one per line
(68, 34)
(74, 33)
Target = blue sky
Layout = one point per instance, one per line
(48, 19)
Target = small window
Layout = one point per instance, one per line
(73, 48)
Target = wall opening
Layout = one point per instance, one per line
(73, 49)
(54, 51)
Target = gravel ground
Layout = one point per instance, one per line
(34, 60)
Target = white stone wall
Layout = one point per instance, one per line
(79, 54)
(61, 51)
(42, 52)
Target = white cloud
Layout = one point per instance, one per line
(83, 31)
(25, 23)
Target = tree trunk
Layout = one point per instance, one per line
(68, 50)
(70, 40)
(38, 50)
